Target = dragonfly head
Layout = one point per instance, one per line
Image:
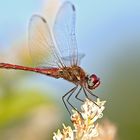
(93, 81)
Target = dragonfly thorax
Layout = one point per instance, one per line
(73, 74)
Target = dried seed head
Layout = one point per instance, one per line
(84, 127)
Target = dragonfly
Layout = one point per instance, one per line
(55, 53)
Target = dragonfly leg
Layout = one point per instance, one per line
(69, 98)
(79, 93)
(76, 96)
(90, 94)
(71, 93)
(63, 98)
(85, 94)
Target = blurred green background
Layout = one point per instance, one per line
(108, 33)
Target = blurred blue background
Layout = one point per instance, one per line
(108, 33)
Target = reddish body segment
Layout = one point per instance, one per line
(53, 72)
(72, 74)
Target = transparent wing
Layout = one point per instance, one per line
(67, 59)
(64, 33)
(41, 45)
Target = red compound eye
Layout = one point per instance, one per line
(93, 82)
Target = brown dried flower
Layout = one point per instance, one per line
(84, 124)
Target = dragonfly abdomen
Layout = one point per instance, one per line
(53, 72)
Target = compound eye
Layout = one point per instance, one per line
(93, 82)
(90, 81)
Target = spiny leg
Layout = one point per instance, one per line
(71, 104)
(79, 93)
(69, 98)
(71, 91)
(76, 96)
(85, 93)
(91, 94)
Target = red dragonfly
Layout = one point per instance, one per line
(56, 55)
